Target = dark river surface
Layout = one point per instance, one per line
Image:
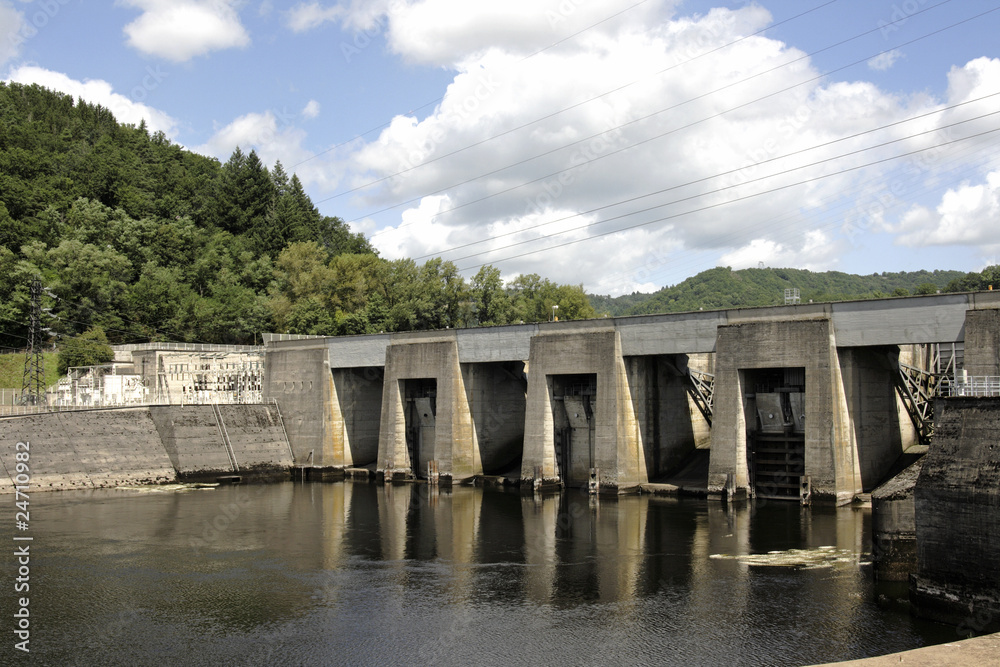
(360, 574)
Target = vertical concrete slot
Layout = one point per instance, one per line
(574, 398)
(420, 408)
(774, 406)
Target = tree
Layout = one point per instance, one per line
(89, 349)
(493, 304)
(338, 238)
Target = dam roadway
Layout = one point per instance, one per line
(806, 399)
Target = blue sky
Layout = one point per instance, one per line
(621, 144)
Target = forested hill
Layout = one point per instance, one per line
(724, 288)
(144, 240)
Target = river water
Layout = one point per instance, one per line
(362, 574)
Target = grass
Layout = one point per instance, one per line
(12, 370)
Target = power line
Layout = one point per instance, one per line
(721, 174)
(588, 162)
(576, 105)
(715, 115)
(732, 201)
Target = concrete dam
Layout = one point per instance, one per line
(810, 401)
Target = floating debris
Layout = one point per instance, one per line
(807, 559)
(167, 488)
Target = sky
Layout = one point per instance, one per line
(623, 145)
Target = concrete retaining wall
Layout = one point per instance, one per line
(93, 448)
(147, 445)
(957, 499)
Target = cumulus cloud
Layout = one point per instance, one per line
(13, 32)
(697, 157)
(818, 251)
(180, 30)
(96, 91)
(275, 136)
(441, 32)
(966, 215)
(884, 61)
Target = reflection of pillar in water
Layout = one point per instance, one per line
(540, 515)
(723, 529)
(843, 528)
(456, 524)
(621, 533)
(336, 508)
(393, 506)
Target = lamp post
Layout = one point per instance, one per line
(554, 309)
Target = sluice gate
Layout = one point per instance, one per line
(776, 441)
(419, 413)
(574, 420)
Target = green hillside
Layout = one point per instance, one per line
(12, 370)
(135, 236)
(724, 288)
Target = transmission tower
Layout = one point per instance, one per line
(33, 385)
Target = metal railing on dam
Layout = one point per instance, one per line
(981, 386)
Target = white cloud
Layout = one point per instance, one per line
(96, 91)
(180, 30)
(311, 110)
(884, 61)
(275, 137)
(967, 215)
(701, 178)
(417, 234)
(13, 31)
(442, 32)
(306, 16)
(818, 251)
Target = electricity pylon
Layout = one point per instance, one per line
(33, 384)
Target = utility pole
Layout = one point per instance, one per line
(33, 384)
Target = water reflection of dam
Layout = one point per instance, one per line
(813, 399)
(349, 572)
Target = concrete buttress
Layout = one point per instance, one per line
(433, 367)
(617, 451)
(830, 453)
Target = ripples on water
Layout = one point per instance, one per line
(358, 574)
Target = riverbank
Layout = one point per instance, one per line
(979, 651)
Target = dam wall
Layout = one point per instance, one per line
(143, 445)
(957, 503)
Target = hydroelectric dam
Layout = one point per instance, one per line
(809, 401)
